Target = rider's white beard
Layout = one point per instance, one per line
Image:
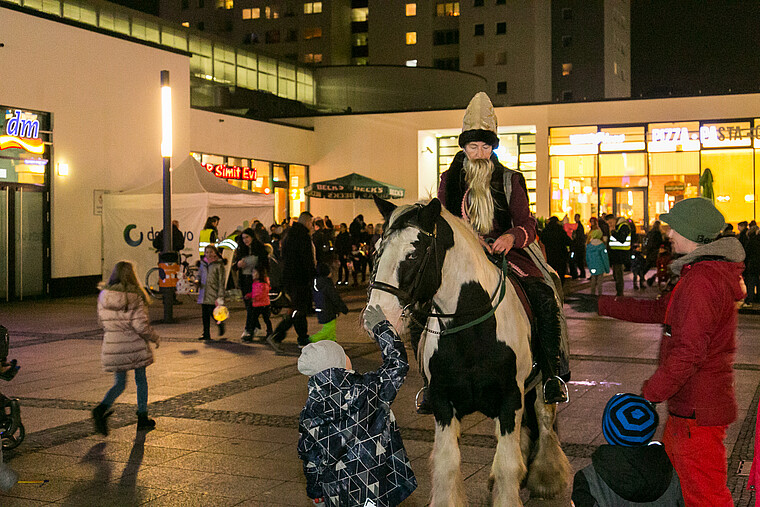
(477, 174)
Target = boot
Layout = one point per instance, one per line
(100, 415)
(144, 422)
(546, 338)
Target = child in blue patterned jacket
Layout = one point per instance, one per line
(350, 443)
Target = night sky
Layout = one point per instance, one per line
(688, 48)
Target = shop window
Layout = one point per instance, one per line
(297, 183)
(501, 28)
(411, 9)
(411, 38)
(573, 185)
(622, 170)
(480, 29)
(501, 88)
(732, 182)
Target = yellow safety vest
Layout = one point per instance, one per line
(625, 244)
(204, 240)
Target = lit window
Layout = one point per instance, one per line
(411, 9)
(616, 69)
(271, 12)
(186, 24)
(312, 33)
(312, 57)
(246, 13)
(567, 68)
(317, 57)
(228, 4)
(447, 9)
(312, 7)
(480, 59)
(411, 63)
(411, 38)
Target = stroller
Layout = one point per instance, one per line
(11, 429)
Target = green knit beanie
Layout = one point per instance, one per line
(696, 219)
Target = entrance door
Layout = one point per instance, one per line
(24, 253)
(628, 202)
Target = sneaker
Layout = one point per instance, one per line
(246, 334)
(274, 344)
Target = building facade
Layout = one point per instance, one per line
(528, 52)
(75, 132)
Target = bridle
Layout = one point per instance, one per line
(414, 308)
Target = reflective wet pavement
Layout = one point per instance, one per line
(227, 412)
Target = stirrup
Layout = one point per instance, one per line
(420, 401)
(564, 390)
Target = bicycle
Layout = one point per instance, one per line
(187, 279)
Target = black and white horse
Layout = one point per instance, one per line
(475, 351)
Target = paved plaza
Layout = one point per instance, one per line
(227, 412)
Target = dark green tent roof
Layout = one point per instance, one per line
(353, 186)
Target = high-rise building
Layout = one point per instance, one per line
(529, 52)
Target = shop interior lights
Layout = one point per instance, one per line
(749, 198)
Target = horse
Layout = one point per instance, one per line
(474, 349)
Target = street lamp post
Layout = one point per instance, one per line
(166, 153)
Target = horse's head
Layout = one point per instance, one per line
(409, 259)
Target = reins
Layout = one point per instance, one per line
(408, 299)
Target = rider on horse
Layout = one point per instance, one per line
(494, 200)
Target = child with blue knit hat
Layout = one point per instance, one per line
(631, 469)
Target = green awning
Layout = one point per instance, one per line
(353, 186)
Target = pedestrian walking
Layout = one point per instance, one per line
(126, 337)
(211, 289)
(259, 298)
(298, 271)
(695, 375)
(752, 271)
(327, 302)
(630, 469)
(350, 443)
(249, 253)
(652, 244)
(638, 267)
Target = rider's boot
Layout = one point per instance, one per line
(547, 342)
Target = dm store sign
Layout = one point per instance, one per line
(22, 131)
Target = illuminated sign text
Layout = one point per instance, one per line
(231, 172)
(22, 132)
(597, 138)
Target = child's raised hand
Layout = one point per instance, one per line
(373, 315)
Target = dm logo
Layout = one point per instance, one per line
(128, 236)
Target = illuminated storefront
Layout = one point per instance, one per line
(286, 181)
(25, 152)
(641, 170)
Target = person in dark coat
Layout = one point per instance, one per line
(556, 242)
(322, 241)
(343, 251)
(752, 262)
(619, 249)
(630, 469)
(652, 249)
(578, 250)
(178, 239)
(327, 302)
(350, 443)
(298, 271)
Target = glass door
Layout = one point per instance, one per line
(24, 251)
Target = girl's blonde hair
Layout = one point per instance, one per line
(124, 273)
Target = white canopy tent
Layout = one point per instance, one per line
(132, 218)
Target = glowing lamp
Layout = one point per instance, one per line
(166, 115)
(63, 169)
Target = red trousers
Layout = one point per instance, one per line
(699, 457)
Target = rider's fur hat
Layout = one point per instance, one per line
(479, 123)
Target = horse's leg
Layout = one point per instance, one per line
(448, 486)
(549, 473)
(508, 468)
